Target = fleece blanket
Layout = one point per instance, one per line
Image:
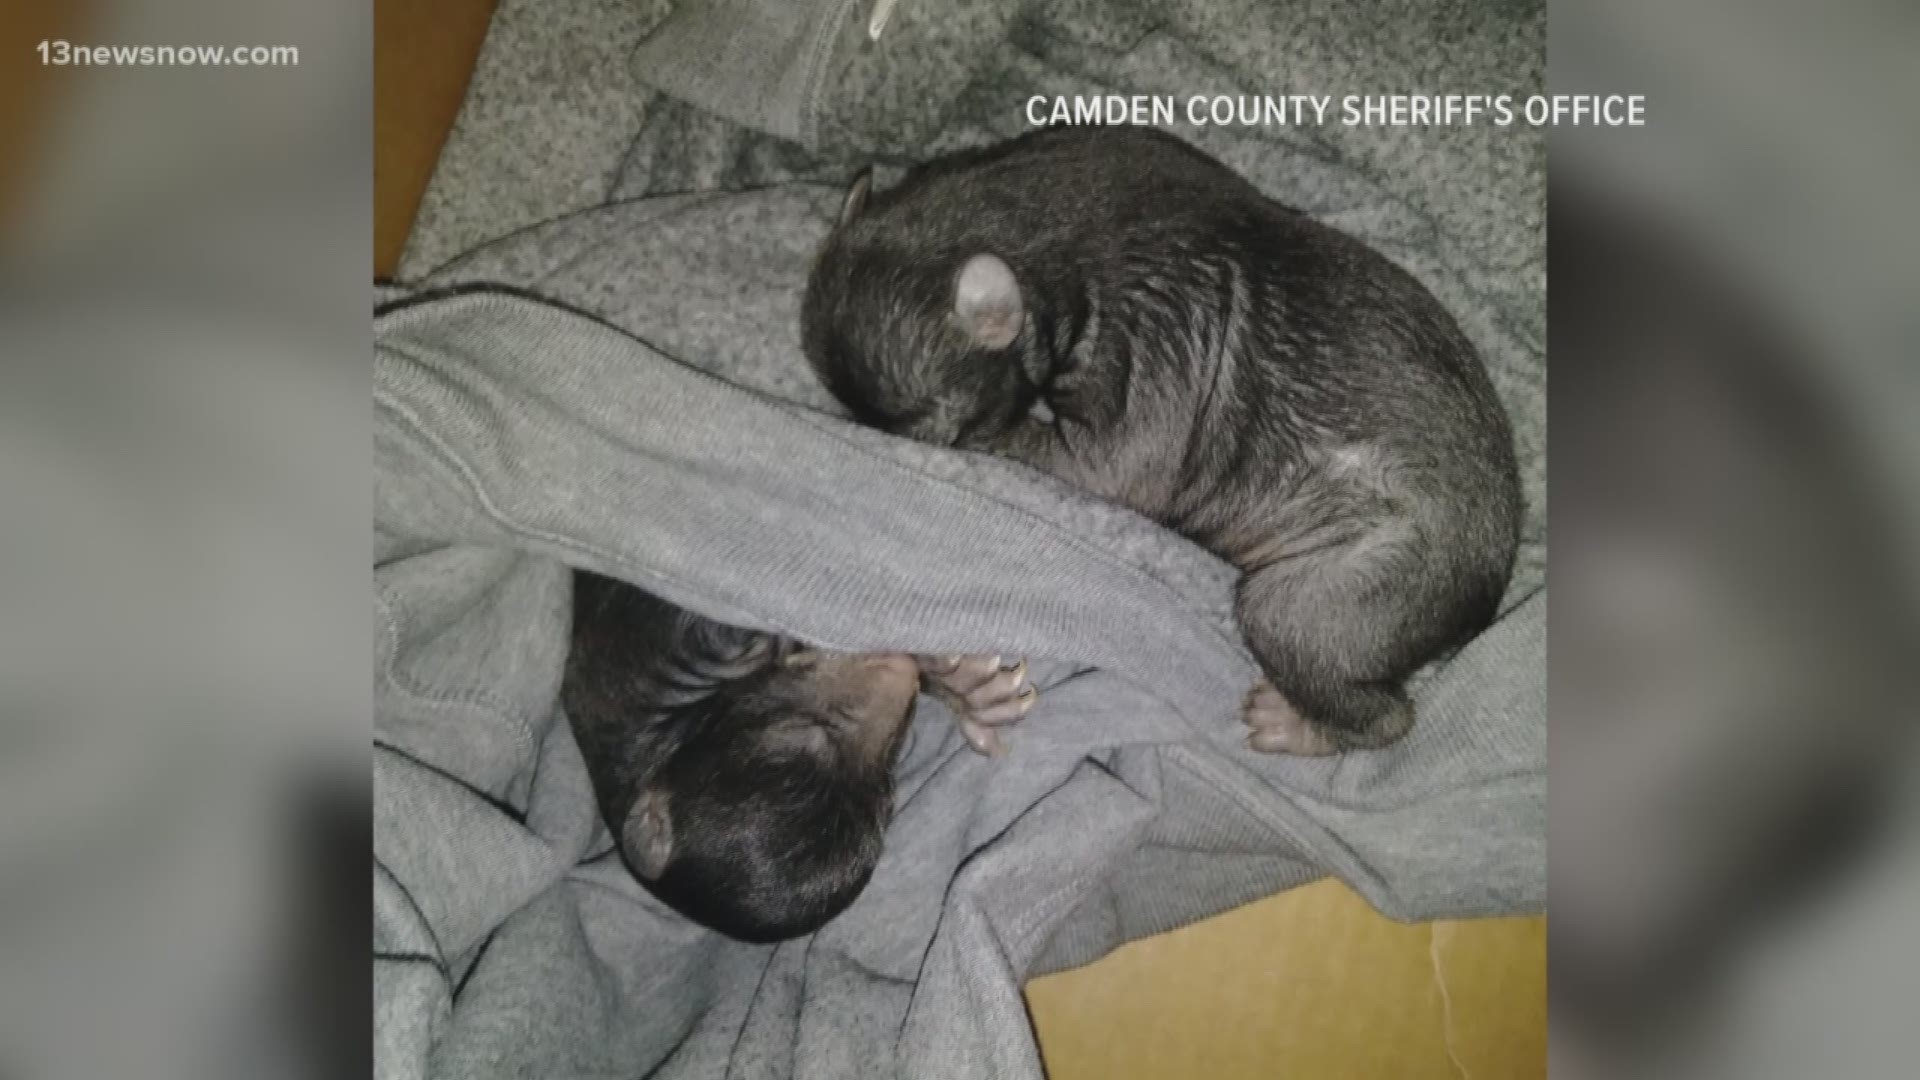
(614, 382)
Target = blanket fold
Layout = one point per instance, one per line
(515, 438)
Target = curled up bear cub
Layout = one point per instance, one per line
(1113, 307)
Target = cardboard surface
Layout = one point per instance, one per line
(1310, 983)
(423, 56)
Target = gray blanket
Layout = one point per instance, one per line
(621, 389)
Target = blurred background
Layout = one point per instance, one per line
(1733, 326)
(184, 462)
(184, 696)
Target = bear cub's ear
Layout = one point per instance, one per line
(987, 303)
(856, 199)
(649, 835)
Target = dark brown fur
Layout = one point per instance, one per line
(749, 781)
(1171, 339)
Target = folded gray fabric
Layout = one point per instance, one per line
(902, 78)
(622, 389)
(515, 438)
